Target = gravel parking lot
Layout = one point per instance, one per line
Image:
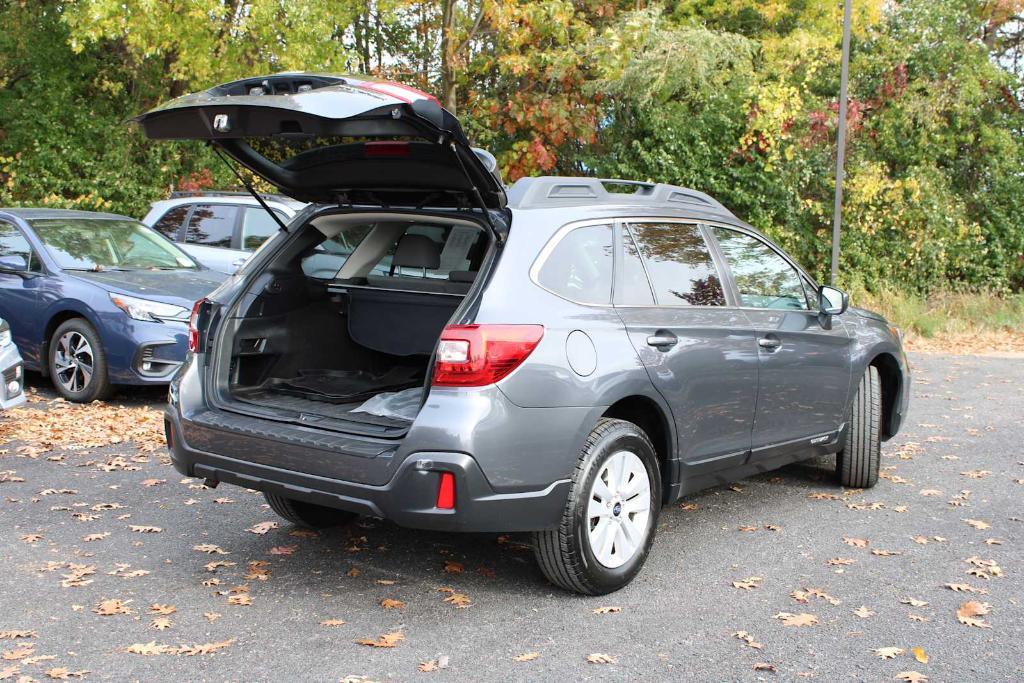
(120, 569)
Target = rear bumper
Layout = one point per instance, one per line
(408, 498)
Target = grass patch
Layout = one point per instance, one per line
(944, 314)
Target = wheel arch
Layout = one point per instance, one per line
(891, 378)
(653, 418)
(57, 318)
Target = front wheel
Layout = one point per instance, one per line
(77, 362)
(857, 463)
(610, 516)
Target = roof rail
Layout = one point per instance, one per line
(177, 194)
(556, 191)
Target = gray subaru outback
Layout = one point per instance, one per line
(563, 357)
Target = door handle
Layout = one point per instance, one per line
(662, 340)
(769, 343)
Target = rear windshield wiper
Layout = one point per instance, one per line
(248, 186)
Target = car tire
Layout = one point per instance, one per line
(72, 343)
(567, 555)
(857, 464)
(307, 514)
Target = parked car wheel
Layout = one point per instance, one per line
(307, 514)
(857, 463)
(78, 365)
(610, 516)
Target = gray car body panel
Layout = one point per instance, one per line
(524, 433)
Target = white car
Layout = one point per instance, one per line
(12, 390)
(219, 229)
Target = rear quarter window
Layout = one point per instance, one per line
(579, 268)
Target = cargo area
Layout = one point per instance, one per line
(339, 330)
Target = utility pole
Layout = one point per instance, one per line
(844, 77)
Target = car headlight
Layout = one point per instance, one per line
(149, 311)
(5, 334)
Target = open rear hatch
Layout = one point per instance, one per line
(337, 140)
(336, 330)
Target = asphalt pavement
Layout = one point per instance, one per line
(865, 571)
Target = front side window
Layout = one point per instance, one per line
(101, 244)
(679, 264)
(579, 268)
(212, 225)
(169, 224)
(764, 279)
(14, 243)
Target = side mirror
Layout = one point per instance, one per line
(13, 263)
(832, 301)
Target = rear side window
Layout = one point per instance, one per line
(579, 268)
(679, 264)
(257, 226)
(764, 279)
(169, 224)
(633, 287)
(212, 225)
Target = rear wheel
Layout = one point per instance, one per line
(857, 463)
(77, 363)
(610, 516)
(307, 514)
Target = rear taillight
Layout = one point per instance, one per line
(477, 355)
(193, 326)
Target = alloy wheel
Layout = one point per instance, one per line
(619, 509)
(73, 362)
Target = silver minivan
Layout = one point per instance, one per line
(562, 357)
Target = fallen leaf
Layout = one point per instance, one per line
(386, 640)
(145, 529)
(749, 583)
(885, 553)
(919, 654)
(160, 623)
(30, 538)
(764, 666)
(856, 542)
(353, 572)
(211, 549)
(452, 567)
(153, 482)
(61, 673)
(389, 603)
(863, 612)
(913, 602)
(748, 639)
(840, 562)
(262, 527)
(157, 608)
(976, 474)
(244, 600)
(969, 612)
(211, 616)
(149, 649)
(107, 608)
(930, 492)
(606, 610)
(17, 635)
(964, 588)
(978, 524)
(95, 537)
(911, 677)
(333, 622)
(600, 658)
(802, 619)
(283, 550)
(526, 657)
(460, 600)
(217, 564)
(888, 652)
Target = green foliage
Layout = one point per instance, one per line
(733, 97)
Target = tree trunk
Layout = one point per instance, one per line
(448, 85)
